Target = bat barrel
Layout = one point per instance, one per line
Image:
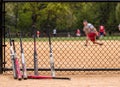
(62, 78)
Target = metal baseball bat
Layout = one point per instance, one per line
(19, 75)
(35, 57)
(51, 55)
(24, 70)
(48, 77)
(12, 55)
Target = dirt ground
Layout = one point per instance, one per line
(111, 80)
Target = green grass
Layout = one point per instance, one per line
(64, 38)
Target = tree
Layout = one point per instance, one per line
(118, 12)
(9, 16)
(63, 16)
(60, 15)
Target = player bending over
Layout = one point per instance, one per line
(90, 32)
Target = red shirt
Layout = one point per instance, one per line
(38, 32)
(102, 29)
(78, 31)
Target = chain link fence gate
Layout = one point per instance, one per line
(69, 51)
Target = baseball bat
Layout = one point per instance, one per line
(48, 77)
(24, 70)
(35, 57)
(51, 55)
(12, 55)
(19, 76)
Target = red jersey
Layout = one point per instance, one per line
(38, 32)
(78, 31)
(102, 29)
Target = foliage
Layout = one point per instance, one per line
(118, 12)
(64, 16)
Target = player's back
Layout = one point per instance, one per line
(89, 28)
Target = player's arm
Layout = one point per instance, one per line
(96, 31)
(85, 31)
(104, 33)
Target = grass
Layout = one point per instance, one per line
(64, 38)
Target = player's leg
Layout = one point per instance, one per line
(92, 37)
(101, 34)
(54, 35)
(95, 42)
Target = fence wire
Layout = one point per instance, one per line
(69, 51)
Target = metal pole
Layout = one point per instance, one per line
(1, 57)
(4, 62)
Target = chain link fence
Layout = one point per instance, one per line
(69, 51)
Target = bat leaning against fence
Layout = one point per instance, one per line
(18, 72)
(52, 60)
(12, 55)
(35, 57)
(24, 70)
(51, 55)
(36, 76)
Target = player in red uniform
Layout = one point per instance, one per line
(38, 34)
(90, 32)
(78, 32)
(102, 31)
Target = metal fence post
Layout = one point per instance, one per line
(1, 68)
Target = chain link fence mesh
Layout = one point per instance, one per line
(69, 51)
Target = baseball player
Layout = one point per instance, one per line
(90, 32)
(78, 32)
(102, 31)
